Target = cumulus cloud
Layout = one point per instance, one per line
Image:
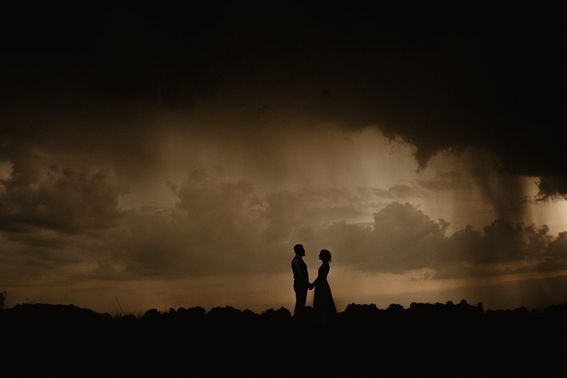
(57, 198)
(222, 227)
(403, 238)
(64, 225)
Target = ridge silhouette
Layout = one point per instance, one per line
(363, 340)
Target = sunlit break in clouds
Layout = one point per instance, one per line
(160, 158)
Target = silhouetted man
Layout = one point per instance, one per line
(300, 279)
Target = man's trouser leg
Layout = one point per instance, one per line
(300, 298)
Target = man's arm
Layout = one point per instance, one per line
(299, 270)
(295, 268)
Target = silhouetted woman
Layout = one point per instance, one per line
(323, 304)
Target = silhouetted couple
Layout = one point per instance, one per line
(323, 304)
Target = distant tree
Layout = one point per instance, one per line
(2, 299)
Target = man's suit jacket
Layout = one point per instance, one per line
(300, 274)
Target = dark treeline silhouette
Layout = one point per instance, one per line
(442, 339)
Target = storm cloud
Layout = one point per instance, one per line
(60, 199)
(403, 238)
(439, 75)
(152, 143)
(231, 227)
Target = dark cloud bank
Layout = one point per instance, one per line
(441, 75)
(224, 227)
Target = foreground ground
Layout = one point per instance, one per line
(443, 339)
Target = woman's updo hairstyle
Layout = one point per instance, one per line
(325, 255)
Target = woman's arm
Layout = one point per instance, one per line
(317, 280)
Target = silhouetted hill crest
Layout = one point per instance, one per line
(363, 340)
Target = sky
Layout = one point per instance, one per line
(165, 157)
